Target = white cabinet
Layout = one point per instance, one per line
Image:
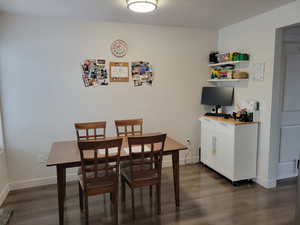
(229, 147)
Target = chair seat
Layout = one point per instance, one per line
(102, 180)
(140, 173)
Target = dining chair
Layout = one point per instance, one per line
(100, 162)
(145, 154)
(90, 131)
(129, 127)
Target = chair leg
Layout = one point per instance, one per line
(158, 199)
(123, 189)
(150, 191)
(86, 204)
(116, 206)
(80, 197)
(132, 203)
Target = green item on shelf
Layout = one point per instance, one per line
(235, 56)
(244, 57)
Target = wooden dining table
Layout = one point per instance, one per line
(65, 154)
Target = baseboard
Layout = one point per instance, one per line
(4, 193)
(287, 169)
(38, 182)
(266, 183)
(17, 185)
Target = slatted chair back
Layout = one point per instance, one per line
(129, 127)
(146, 154)
(90, 131)
(100, 159)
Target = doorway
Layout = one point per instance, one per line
(288, 109)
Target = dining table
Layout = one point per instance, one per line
(65, 154)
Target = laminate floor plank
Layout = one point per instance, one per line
(206, 199)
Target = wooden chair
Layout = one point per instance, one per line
(99, 178)
(145, 166)
(83, 130)
(90, 131)
(129, 127)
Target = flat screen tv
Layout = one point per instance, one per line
(217, 96)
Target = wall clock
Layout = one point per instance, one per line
(119, 48)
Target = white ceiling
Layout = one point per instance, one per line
(187, 13)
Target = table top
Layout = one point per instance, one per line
(66, 152)
(228, 121)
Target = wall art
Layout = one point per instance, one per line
(94, 73)
(141, 73)
(119, 48)
(119, 71)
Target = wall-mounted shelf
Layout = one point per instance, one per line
(226, 63)
(227, 80)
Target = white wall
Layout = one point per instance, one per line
(3, 178)
(257, 36)
(3, 169)
(43, 95)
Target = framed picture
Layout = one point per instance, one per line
(119, 71)
(141, 73)
(94, 73)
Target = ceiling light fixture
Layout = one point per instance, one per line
(142, 6)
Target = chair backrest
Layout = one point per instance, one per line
(145, 153)
(90, 131)
(99, 158)
(129, 127)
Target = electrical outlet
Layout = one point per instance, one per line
(42, 159)
(188, 140)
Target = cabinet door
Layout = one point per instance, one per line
(225, 149)
(204, 144)
(207, 143)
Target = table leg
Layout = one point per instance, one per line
(64, 183)
(175, 162)
(61, 180)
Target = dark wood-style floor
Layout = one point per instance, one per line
(206, 199)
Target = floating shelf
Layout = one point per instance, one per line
(227, 80)
(226, 63)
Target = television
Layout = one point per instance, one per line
(217, 96)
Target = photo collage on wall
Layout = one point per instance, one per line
(94, 73)
(141, 73)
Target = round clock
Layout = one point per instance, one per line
(119, 48)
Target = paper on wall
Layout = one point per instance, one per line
(258, 71)
(119, 71)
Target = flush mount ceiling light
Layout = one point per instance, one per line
(142, 6)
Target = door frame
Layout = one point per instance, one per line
(277, 100)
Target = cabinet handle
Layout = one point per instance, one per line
(214, 145)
